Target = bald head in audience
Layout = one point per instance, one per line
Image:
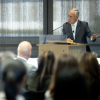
(24, 49)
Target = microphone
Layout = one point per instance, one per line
(50, 32)
(55, 29)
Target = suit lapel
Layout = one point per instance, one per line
(70, 31)
(77, 30)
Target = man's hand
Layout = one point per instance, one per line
(68, 40)
(94, 36)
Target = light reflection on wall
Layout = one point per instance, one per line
(21, 17)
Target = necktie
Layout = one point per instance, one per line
(73, 30)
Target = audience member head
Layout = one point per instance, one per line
(45, 64)
(14, 77)
(69, 85)
(89, 67)
(24, 49)
(5, 55)
(64, 61)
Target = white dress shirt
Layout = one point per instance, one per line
(74, 28)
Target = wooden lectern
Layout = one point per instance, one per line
(61, 47)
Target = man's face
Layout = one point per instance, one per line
(71, 17)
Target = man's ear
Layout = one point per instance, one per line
(77, 17)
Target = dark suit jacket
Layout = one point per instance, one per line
(82, 31)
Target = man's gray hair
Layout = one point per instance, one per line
(76, 11)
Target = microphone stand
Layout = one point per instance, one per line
(50, 32)
(55, 29)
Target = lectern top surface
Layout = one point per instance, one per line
(65, 42)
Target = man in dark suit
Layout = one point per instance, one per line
(24, 53)
(76, 30)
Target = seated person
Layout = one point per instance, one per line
(14, 78)
(40, 80)
(64, 61)
(89, 67)
(23, 54)
(70, 85)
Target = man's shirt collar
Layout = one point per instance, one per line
(22, 58)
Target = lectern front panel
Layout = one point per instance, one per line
(58, 49)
